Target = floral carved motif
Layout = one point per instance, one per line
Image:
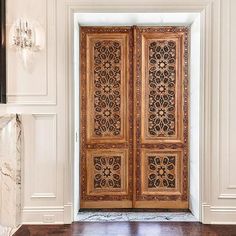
(161, 171)
(107, 84)
(161, 88)
(107, 171)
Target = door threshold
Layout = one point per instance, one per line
(102, 216)
(132, 210)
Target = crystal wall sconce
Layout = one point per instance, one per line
(23, 35)
(27, 38)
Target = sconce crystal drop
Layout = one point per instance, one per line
(28, 39)
(24, 36)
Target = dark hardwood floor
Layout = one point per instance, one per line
(127, 229)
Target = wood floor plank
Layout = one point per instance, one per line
(128, 229)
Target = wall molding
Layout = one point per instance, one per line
(206, 10)
(68, 213)
(43, 195)
(52, 117)
(226, 189)
(219, 215)
(39, 215)
(36, 215)
(227, 196)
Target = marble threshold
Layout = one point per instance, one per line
(135, 217)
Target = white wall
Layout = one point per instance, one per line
(47, 195)
(40, 95)
(194, 121)
(76, 80)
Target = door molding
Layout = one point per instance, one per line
(205, 8)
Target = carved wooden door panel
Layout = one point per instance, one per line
(134, 117)
(161, 117)
(106, 117)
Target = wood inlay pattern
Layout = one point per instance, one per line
(107, 172)
(162, 171)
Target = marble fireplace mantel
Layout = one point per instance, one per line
(10, 172)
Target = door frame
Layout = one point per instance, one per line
(205, 8)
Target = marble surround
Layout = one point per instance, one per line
(135, 216)
(6, 231)
(10, 173)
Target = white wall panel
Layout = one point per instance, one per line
(43, 168)
(44, 158)
(40, 133)
(37, 83)
(227, 177)
(232, 98)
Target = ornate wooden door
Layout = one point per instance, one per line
(107, 117)
(161, 117)
(134, 155)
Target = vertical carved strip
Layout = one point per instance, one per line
(107, 87)
(161, 88)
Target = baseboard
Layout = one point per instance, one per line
(68, 214)
(63, 215)
(218, 215)
(47, 215)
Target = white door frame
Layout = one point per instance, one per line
(205, 8)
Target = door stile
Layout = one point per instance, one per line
(134, 29)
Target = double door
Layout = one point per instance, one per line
(134, 117)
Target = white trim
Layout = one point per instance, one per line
(156, 8)
(68, 213)
(206, 123)
(219, 215)
(33, 214)
(128, 19)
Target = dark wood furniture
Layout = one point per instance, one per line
(3, 52)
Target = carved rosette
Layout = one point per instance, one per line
(107, 172)
(161, 171)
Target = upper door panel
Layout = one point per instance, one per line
(107, 75)
(162, 112)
